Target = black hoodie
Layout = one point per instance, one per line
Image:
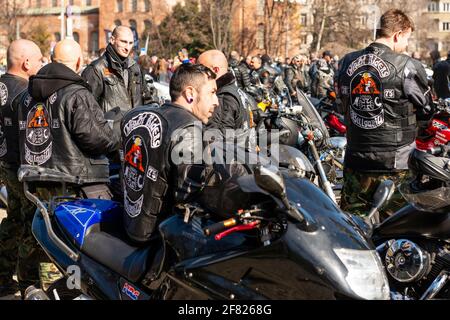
(63, 129)
(52, 78)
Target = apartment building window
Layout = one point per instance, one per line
(133, 5)
(260, 7)
(363, 20)
(117, 22)
(71, 3)
(147, 5)
(304, 19)
(76, 37)
(57, 36)
(38, 3)
(446, 6)
(94, 41)
(133, 24)
(119, 5)
(446, 26)
(147, 25)
(433, 6)
(54, 3)
(88, 2)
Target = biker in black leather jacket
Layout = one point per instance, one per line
(63, 129)
(115, 78)
(162, 150)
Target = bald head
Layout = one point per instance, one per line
(68, 52)
(215, 60)
(122, 40)
(24, 58)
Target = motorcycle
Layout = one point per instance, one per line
(414, 243)
(302, 127)
(438, 131)
(333, 120)
(292, 243)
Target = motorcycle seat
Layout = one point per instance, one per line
(129, 261)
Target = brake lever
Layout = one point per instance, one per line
(242, 227)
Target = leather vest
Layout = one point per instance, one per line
(147, 133)
(10, 88)
(379, 116)
(46, 142)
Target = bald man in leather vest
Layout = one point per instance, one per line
(18, 248)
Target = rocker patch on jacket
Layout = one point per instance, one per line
(38, 142)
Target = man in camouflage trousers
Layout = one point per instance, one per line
(19, 251)
(380, 91)
(359, 189)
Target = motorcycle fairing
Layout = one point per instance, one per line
(188, 240)
(315, 120)
(410, 222)
(77, 217)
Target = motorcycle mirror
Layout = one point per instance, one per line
(447, 102)
(269, 179)
(383, 194)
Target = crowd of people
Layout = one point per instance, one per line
(55, 118)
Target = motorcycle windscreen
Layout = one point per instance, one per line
(279, 85)
(289, 156)
(314, 118)
(426, 200)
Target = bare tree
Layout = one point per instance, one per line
(155, 26)
(220, 19)
(277, 15)
(10, 10)
(326, 11)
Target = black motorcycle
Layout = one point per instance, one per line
(414, 243)
(293, 242)
(302, 127)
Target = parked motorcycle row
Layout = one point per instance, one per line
(293, 243)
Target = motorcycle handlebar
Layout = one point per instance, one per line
(219, 226)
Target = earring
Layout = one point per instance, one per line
(190, 100)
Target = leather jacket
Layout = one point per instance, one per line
(11, 87)
(162, 165)
(62, 128)
(115, 83)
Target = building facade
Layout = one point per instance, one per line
(279, 28)
(437, 14)
(45, 16)
(89, 22)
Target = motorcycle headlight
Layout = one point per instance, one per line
(365, 274)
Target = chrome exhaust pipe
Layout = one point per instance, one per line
(4, 196)
(83, 297)
(32, 293)
(436, 286)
